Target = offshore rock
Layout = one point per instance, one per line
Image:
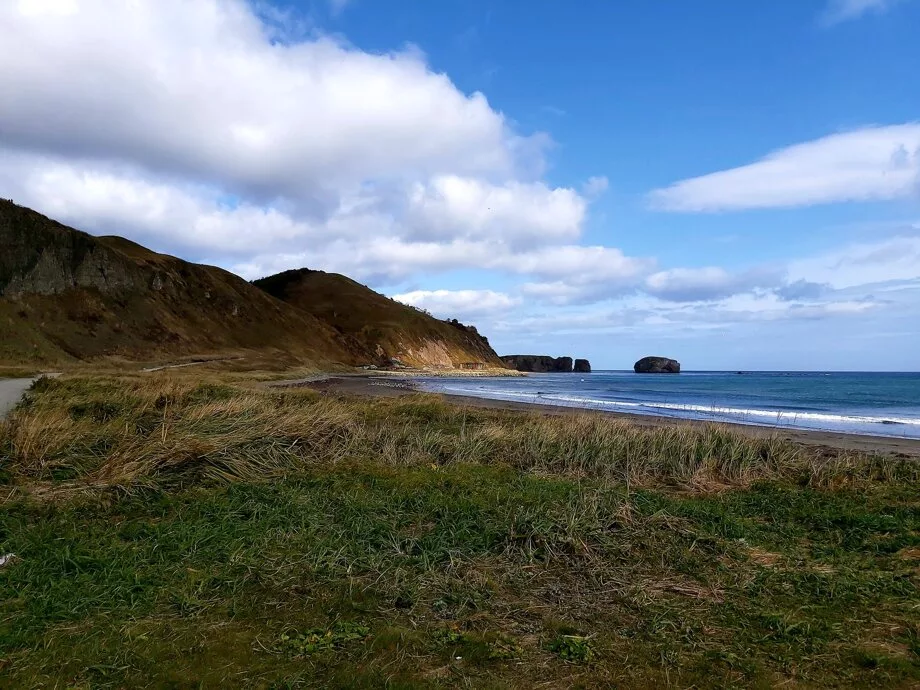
(657, 365)
(582, 366)
(539, 364)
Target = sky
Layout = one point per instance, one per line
(735, 185)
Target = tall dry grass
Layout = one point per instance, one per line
(79, 432)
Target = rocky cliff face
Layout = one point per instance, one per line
(42, 257)
(538, 363)
(582, 366)
(65, 294)
(657, 365)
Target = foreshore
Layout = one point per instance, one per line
(370, 384)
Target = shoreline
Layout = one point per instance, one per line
(364, 384)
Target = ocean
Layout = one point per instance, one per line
(878, 404)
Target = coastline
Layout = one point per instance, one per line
(364, 384)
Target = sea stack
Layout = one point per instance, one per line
(582, 366)
(657, 365)
(538, 363)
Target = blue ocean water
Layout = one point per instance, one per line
(880, 404)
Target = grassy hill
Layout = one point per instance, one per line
(376, 328)
(66, 295)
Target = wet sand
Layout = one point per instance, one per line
(831, 440)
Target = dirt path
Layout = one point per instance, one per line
(192, 364)
(11, 391)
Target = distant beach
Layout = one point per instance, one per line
(387, 386)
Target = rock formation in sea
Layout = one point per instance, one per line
(582, 366)
(538, 363)
(657, 365)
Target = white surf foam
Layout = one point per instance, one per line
(757, 416)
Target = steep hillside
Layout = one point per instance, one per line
(67, 295)
(376, 328)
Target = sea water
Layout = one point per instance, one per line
(880, 404)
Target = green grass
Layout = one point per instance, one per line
(171, 534)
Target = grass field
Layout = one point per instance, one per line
(171, 532)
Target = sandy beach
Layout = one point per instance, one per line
(393, 386)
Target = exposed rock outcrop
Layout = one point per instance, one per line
(538, 364)
(582, 366)
(657, 365)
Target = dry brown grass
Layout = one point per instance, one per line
(127, 431)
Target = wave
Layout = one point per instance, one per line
(737, 414)
(786, 415)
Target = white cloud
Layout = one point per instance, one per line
(578, 264)
(842, 10)
(863, 264)
(364, 236)
(709, 283)
(595, 186)
(386, 260)
(200, 90)
(622, 275)
(192, 129)
(452, 206)
(453, 303)
(869, 164)
(122, 202)
(562, 292)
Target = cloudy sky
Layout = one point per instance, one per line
(733, 184)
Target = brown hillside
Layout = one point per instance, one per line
(67, 295)
(377, 328)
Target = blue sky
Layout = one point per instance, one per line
(736, 185)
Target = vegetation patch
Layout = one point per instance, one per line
(572, 648)
(234, 536)
(301, 644)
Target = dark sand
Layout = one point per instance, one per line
(391, 387)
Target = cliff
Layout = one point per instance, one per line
(376, 329)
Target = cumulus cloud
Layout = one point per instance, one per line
(451, 206)
(453, 303)
(869, 164)
(202, 91)
(121, 201)
(193, 129)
